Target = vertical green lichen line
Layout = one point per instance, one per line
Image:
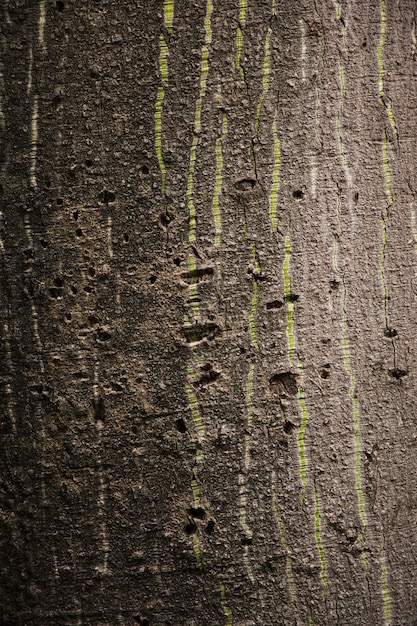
(381, 88)
(193, 403)
(290, 305)
(275, 177)
(301, 437)
(254, 302)
(218, 184)
(226, 609)
(288, 560)
(385, 590)
(387, 171)
(168, 15)
(197, 120)
(384, 227)
(196, 542)
(356, 416)
(239, 38)
(319, 543)
(249, 407)
(245, 526)
(266, 73)
(163, 71)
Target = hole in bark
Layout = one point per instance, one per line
(334, 284)
(247, 541)
(75, 215)
(103, 335)
(91, 271)
(209, 375)
(181, 426)
(60, 5)
(390, 332)
(107, 196)
(145, 169)
(274, 304)
(197, 513)
(356, 197)
(59, 201)
(397, 373)
(98, 406)
(73, 289)
(245, 184)
(325, 371)
(125, 237)
(198, 332)
(58, 281)
(364, 44)
(44, 243)
(283, 443)
(88, 162)
(292, 297)
(54, 292)
(166, 219)
(68, 316)
(177, 262)
(198, 274)
(141, 620)
(190, 528)
(288, 427)
(79, 232)
(298, 193)
(284, 382)
(88, 289)
(152, 279)
(210, 527)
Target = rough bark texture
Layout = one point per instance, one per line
(208, 366)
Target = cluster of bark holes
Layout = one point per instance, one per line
(195, 514)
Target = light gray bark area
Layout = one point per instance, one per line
(218, 431)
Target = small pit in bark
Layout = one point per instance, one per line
(285, 382)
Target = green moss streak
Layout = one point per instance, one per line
(226, 608)
(385, 590)
(218, 185)
(249, 407)
(288, 562)
(356, 419)
(275, 178)
(290, 305)
(382, 70)
(319, 543)
(193, 285)
(386, 169)
(163, 71)
(254, 301)
(265, 81)
(239, 38)
(382, 271)
(301, 439)
(414, 229)
(168, 14)
(197, 119)
(196, 417)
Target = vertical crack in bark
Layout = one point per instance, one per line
(239, 39)
(246, 529)
(11, 377)
(41, 25)
(101, 501)
(385, 590)
(355, 408)
(193, 152)
(287, 550)
(381, 67)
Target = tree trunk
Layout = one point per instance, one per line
(208, 366)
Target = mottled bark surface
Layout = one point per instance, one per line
(208, 304)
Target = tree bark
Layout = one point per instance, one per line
(209, 247)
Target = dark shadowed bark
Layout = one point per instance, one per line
(208, 247)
